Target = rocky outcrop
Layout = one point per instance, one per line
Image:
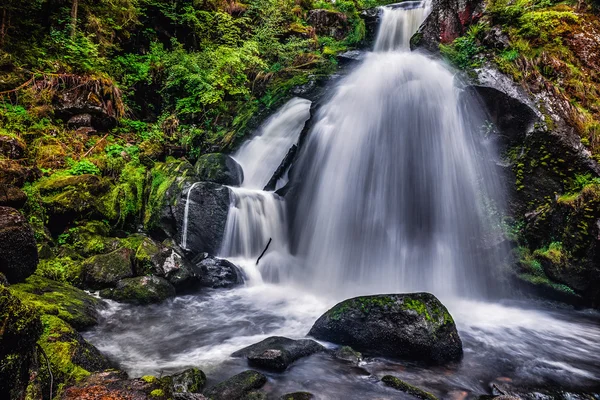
(140, 290)
(12, 196)
(238, 387)
(207, 206)
(277, 353)
(106, 270)
(219, 168)
(409, 326)
(18, 250)
(329, 23)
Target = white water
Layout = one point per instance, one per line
(399, 24)
(185, 217)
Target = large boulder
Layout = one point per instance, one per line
(329, 23)
(277, 353)
(237, 387)
(18, 250)
(105, 270)
(201, 215)
(140, 290)
(219, 168)
(208, 272)
(413, 326)
(21, 328)
(12, 196)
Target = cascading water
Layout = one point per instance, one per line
(394, 179)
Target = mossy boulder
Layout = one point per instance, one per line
(154, 258)
(277, 353)
(21, 327)
(71, 357)
(407, 388)
(114, 384)
(413, 326)
(140, 290)
(192, 380)
(18, 250)
(72, 305)
(91, 238)
(238, 387)
(61, 269)
(219, 168)
(106, 270)
(297, 396)
(348, 354)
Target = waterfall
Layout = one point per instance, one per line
(398, 190)
(185, 217)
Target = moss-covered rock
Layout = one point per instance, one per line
(21, 327)
(297, 396)
(18, 250)
(90, 238)
(348, 354)
(219, 168)
(407, 388)
(71, 357)
(140, 290)
(72, 305)
(148, 257)
(238, 387)
(106, 270)
(413, 326)
(191, 380)
(61, 269)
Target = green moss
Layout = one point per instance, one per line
(418, 306)
(400, 385)
(149, 378)
(125, 201)
(553, 253)
(157, 393)
(61, 269)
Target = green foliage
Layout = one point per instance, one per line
(125, 201)
(464, 51)
(83, 167)
(61, 269)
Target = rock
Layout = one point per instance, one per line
(208, 207)
(91, 238)
(18, 250)
(80, 121)
(237, 387)
(105, 270)
(191, 380)
(218, 273)
(329, 23)
(12, 147)
(219, 168)
(140, 290)
(347, 353)
(21, 328)
(17, 172)
(409, 326)
(448, 20)
(70, 304)
(278, 353)
(113, 384)
(157, 259)
(297, 396)
(11, 196)
(407, 388)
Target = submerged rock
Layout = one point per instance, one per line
(191, 380)
(238, 387)
(18, 250)
(140, 290)
(410, 326)
(347, 353)
(297, 396)
(277, 353)
(407, 388)
(219, 168)
(105, 270)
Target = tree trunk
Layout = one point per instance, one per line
(74, 17)
(3, 27)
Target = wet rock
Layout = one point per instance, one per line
(496, 38)
(219, 168)
(11, 196)
(105, 270)
(297, 396)
(21, 328)
(91, 238)
(407, 388)
(80, 121)
(140, 290)
(409, 326)
(72, 305)
(278, 353)
(347, 353)
(162, 260)
(329, 23)
(12, 147)
(238, 387)
(208, 206)
(372, 18)
(18, 250)
(191, 380)
(218, 273)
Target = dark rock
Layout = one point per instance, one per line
(80, 121)
(84, 99)
(218, 273)
(17, 172)
(278, 353)
(11, 196)
(191, 380)
(329, 23)
(297, 396)
(372, 18)
(140, 290)
(107, 269)
(496, 38)
(208, 207)
(18, 251)
(219, 168)
(410, 326)
(347, 353)
(21, 328)
(70, 304)
(238, 387)
(12, 147)
(448, 20)
(407, 388)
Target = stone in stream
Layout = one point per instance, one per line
(347, 353)
(238, 387)
(140, 290)
(192, 380)
(413, 326)
(398, 384)
(276, 353)
(219, 168)
(18, 251)
(297, 396)
(208, 272)
(105, 270)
